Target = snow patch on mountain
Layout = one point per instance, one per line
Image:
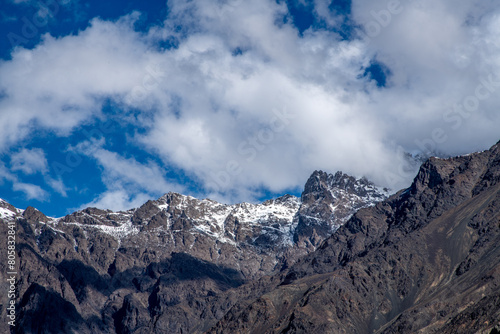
(118, 232)
(327, 199)
(7, 211)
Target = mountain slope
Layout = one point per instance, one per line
(426, 260)
(177, 264)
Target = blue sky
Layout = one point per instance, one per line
(112, 103)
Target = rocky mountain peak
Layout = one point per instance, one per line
(173, 198)
(321, 180)
(316, 182)
(324, 185)
(457, 177)
(32, 214)
(328, 201)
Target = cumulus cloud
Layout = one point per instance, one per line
(244, 103)
(62, 82)
(436, 67)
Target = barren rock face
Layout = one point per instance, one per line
(177, 264)
(426, 260)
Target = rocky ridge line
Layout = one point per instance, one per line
(165, 264)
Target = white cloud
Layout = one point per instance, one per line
(23, 161)
(61, 83)
(31, 191)
(128, 182)
(212, 113)
(117, 200)
(57, 185)
(5, 174)
(118, 170)
(435, 67)
(29, 161)
(315, 79)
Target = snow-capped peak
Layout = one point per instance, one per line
(8, 211)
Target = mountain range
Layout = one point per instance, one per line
(345, 257)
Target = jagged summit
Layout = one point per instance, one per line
(324, 185)
(329, 200)
(320, 181)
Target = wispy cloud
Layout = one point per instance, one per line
(31, 191)
(57, 185)
(128, 181)
(29, 161)
(117, 200)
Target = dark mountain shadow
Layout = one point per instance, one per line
(80, 276)
(182, 266)
(44, 311)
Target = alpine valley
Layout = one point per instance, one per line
(345, 257)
